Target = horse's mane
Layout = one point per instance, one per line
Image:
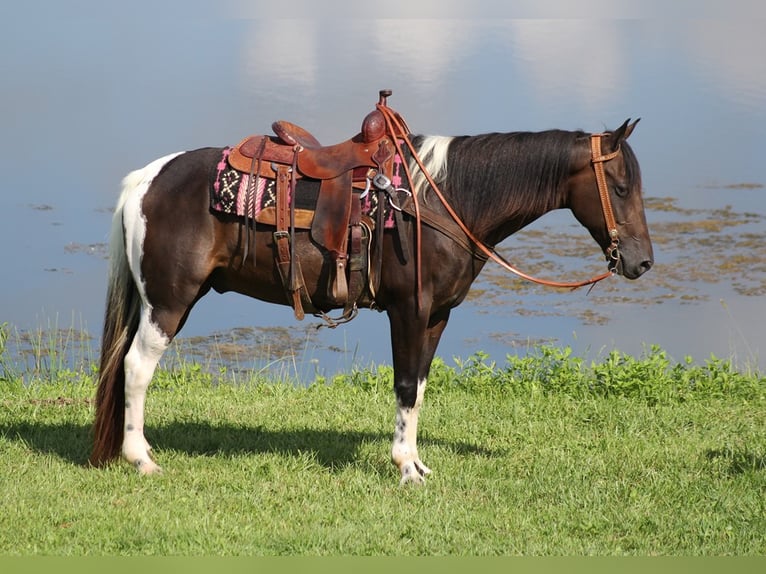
(516, 173)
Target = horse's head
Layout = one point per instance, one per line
(623, 236)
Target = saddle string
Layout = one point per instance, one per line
(252, 189)
(597, 160)
(291, 202)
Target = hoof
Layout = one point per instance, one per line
(414, 472)
(147, 467)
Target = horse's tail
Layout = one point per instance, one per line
(120, 325)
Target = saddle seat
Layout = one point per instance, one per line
(313, 159)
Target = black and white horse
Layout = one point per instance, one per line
(169, 249)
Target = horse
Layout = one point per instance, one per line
(168, 249)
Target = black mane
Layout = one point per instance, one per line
(513, 173)
(518, 174)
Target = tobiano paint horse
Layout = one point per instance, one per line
(169, 249)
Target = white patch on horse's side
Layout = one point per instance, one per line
(433, 154)
(134, 187)
(404, 451)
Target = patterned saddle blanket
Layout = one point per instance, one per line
(228, 194)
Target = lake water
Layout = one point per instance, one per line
(86, 99)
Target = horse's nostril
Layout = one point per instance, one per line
(646, 265)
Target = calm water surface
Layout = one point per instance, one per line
(91, 99)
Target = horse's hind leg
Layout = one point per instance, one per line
(143, 356)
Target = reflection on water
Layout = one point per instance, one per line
(720, 53)
(83, 117)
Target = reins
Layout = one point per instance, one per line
(399, 130)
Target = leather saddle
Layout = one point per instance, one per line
(313, 159)
(343, 170)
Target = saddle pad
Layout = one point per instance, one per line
(228, 194)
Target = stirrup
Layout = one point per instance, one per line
(348, 315)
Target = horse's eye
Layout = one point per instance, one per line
(621, 190)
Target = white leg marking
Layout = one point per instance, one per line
(404, 452)
(142, 358)
(150, 342)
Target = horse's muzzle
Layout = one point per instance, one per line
(633, 271)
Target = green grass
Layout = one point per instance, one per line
(544, 455)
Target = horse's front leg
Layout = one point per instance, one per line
(404, 452)
(414, 343)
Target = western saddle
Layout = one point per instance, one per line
(346, 172)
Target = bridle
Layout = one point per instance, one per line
(598, 160)
(397, 127)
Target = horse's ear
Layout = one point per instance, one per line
(623, 132)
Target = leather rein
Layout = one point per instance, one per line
(398, 127)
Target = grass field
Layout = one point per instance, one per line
(543, 455)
